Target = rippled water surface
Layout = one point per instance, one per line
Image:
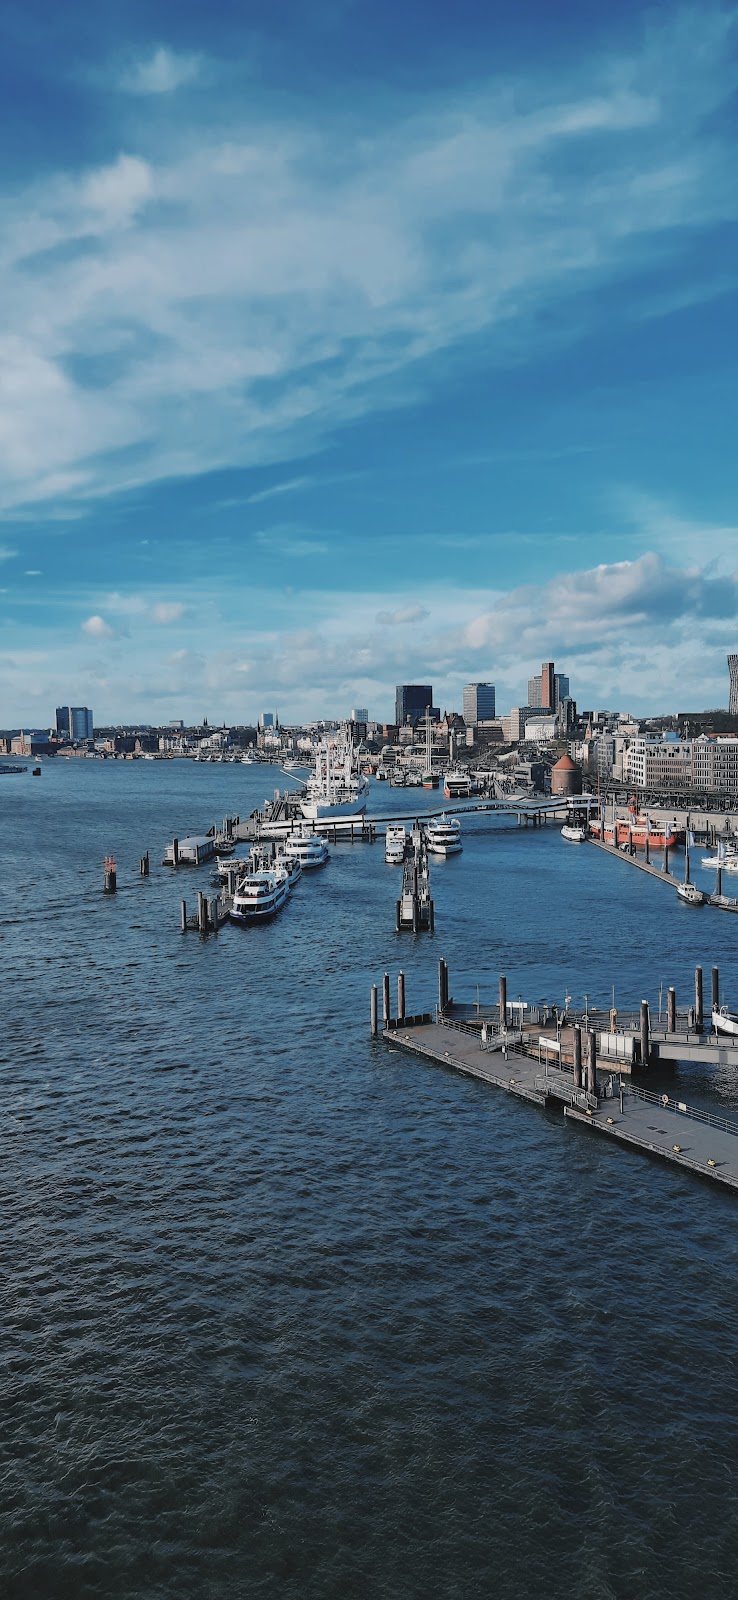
(291, 1314)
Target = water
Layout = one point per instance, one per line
(290, 1314)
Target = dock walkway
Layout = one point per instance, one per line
(686, 1137)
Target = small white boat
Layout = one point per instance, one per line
(394, 843)
(691, 895)
(443, 836)
(292, 866)
(724, 1021)
(309, 849)
(576, 835)
(260, 895)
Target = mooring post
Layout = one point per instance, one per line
(441, 965)
(687, 878)
(671, 1011)
(385, 999)
(666, 859)
(398, 914)
(645, 1031)
(431, 916)
(416, 913)
(503, 1000)
(699, 1013)
(445, 984)
(592, 1063)
(715, 989)
(719, 881)
(400, 996)
(214, 910)
(201, 912)
(373, 1010)
(110, 881)
(648, 853)
(183, 905)
(175, 852)
(577, 1056)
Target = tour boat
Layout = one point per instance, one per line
(394, 843)
(260, 895)
(223, 844)
(576, 835)
(690, 894)
(431, 780)
(309, 849)
(292, 865)
(336, 789)
(724, 1021)
(444, 836)
(457, 785)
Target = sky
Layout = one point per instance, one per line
(355, 343)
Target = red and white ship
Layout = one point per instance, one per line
(634, 829)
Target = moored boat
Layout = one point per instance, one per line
(634, 830)
(394, 843)
(574, 834)
(337, 788)
(308, 849)
(690, 894)
(724, 1021)
(443, 836)
(457, 784)
(260, 895)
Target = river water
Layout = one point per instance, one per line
(288, 1313)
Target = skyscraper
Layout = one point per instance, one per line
(479, 703)
(411, 700)
(733, 670)
(74, 722)
(548, 688)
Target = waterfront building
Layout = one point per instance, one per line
(660, 763)
(733, 670)
(566, 777)
(74, 722)
(412, 700)
(715, 764)
(479, 703)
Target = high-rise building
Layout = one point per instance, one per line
(74, 722)
(359, 714)
(733, 670)
(547, 687)
(479, 703)
(560, 688)
(267, 719)
(412, 700)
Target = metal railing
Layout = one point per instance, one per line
(667, 1103)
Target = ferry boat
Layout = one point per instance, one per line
(574, 834)
(260, 895)
(308, 849)
(443, 836)
(691, 895)
(431, 780)
(724, 1021)
(337, 788)
(457, 785)
(223, 844)
(395, 839)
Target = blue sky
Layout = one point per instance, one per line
(352, 343)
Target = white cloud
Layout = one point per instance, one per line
(197, 305)
(167, 611)
(161, 73)
(6, 554)
(406, 614)
(97, 627)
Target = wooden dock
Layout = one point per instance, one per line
(658, 1125)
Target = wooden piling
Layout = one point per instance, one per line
(441, 964)
(398, 915)
(183, 906)
(400, 996)
(201, 912)
(431, 916)
(373, 1000)
(577, 1056)
(666, 860)
(592, 1063)
(175, 852)
(719, 881)
(110, 880)
(671, 1011)
(715, 989)
(699, 1013)
(645, 1034)
(503, 1000)
(385, 999)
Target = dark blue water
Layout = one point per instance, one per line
(289, 1314)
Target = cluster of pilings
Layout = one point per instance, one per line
(209, 916)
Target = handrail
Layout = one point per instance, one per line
(667, 1103)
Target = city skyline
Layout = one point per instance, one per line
(348, 347)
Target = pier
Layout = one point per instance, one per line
(415, 909)
(566, 1069)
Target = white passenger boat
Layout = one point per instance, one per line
(724, 1021)
(337, 788)
(575, 835)
(309, 849)
(292, 865)
(394, 843)
(690, 894)
(457, 784)
(443, 836)
(260, 895)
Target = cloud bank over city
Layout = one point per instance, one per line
(305, 394)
